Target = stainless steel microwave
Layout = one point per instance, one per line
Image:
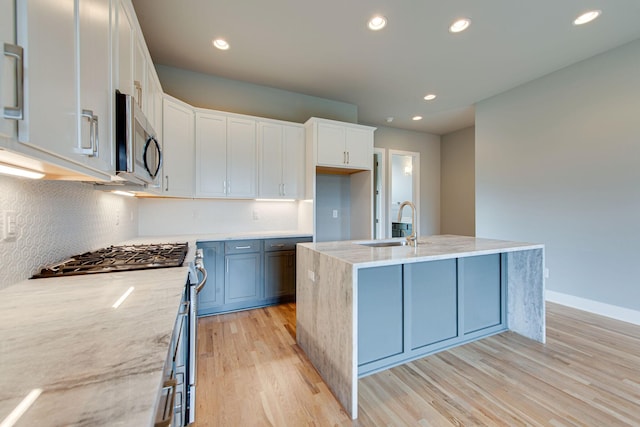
(138, 152)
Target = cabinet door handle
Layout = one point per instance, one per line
(96, 137)
(17, 112)
(284, 189)
(347, 157)
(88, 114)
(166, 180)
(138, 87)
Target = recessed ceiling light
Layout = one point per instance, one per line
(221, 44)
(587, 17)
(460, 25)
(378, 22)
(430, 97)
(416, 118)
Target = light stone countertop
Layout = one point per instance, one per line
(95, 364)
(430, 248)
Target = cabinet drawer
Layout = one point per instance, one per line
(284, 244)
(242, 246)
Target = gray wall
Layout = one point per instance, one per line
(333, 192)
(458, 183)
(558, 162)
(217, 93)
(428, 146)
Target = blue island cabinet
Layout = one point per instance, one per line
(411, 310)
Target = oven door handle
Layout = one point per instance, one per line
(170, 386)
(202, 270)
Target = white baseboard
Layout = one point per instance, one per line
(608, 310)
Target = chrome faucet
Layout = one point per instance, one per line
(412, 239)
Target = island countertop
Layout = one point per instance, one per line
(430, 248)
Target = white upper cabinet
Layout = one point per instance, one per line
(178, 148)
(281, 153)
(68, 101)
(123, 41)
(96, 99)
(341, 145)
(241, 158)
(9, 68)
(47, 31)
(211, 155)
(226, 155)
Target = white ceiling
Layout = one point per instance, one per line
(323, 48)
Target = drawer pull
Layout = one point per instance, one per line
(243, 247)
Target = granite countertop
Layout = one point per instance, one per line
(96, 365)
(429, 248)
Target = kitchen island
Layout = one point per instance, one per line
(362, 309)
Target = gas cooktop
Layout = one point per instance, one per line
(119, 258)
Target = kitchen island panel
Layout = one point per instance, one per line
(325, 325)
(525, 294)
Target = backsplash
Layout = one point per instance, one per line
(57, 219)
(211, 216)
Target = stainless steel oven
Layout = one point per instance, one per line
(177, 405)
(197, 283)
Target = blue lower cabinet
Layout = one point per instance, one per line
(242, 278)
(245, 274)
(380, 314)
(432, 298)
(412, 310)
(211, 297)
(482, 292)
(280, 275)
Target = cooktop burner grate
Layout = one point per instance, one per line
(119, 258)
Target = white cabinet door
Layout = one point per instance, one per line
(331, 145)
(281, 152)
(178, 148)
(270, 136)
(241, 158)
(96, 99)
(123, 44)
(293, 166)
(8, 70)
(140, 89)
(211, 155)
(47, 31)
(359, 147)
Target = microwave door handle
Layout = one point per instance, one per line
(129, 137)
(156, 167)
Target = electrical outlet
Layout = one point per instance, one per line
(311, 275)
(335, 213)
(10, 226)
(256, 215)
(117, 217)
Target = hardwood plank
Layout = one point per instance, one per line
(251, 372)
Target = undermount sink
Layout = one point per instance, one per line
(383, 244)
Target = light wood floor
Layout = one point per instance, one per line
(252, 373)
